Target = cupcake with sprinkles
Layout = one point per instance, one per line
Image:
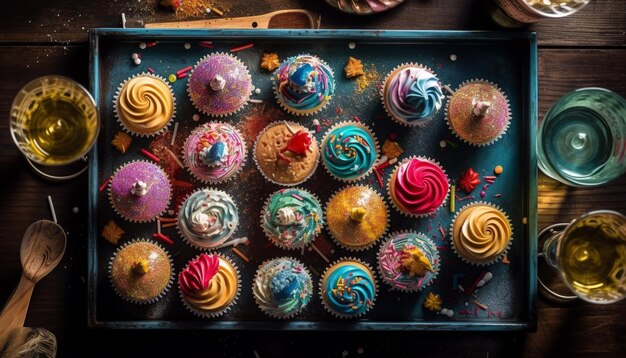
(478, 113)
(141, 272)
(304, 85)
(219, 85)
(282, 287)
(408, 261)
(348, 288)
(214, 152)
(349, 151)
(209, 285)
(418, 186)
(411, 94)
(207, 219)
(144, 105)
(292, 218)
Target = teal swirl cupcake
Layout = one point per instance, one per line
(207, 219)
(304, 84)
(282, 287)
(348, 288)
(292, 218)
(349, 151)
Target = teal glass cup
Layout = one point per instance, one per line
(582, 138)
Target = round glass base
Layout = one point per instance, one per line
(548, 270)
(59, 173)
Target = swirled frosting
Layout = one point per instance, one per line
(412, 94)
(292, 218)
(418, 186)
(349, 151)
(282, 287)
(145, 104)
(480, 233)
(214, 152)
(209, 284)
(208, 218)
(348, 289)
(393, 257)
(304, 84)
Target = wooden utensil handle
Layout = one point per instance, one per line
(246, 22)
(14, 311)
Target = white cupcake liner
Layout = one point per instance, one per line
(508, 120)
(435, 267)
(128, 299)
(281, 244)
(223, 310)
(203, 110)
(321, 288)
(296, 112)
(292, 125)
(229, 176)
(362, 247)
(258, 301)
(505, 250)
(417, 123)
(376, 151)
(116, 97)
(392, 177)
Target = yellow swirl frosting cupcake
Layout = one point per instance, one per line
(144, 105)
(481, 233)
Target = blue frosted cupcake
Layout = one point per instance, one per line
(348, 288)
(282, 287)
(349, 151)
(292, 218)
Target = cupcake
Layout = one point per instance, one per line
(418, 186)
(144, 105)
(207, 219)
(219, 85)
(141, 272)
(304, 85)
(286, 153)
(348, 288)
(411, 94)
(349, 151)
(209, 285)
(408, 261)
(481, 233)
(478, 113)
(140, 191)
(357, 216)
(214, 152)
(291, 218)
(282, 287)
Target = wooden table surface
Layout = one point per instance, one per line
(49, 37)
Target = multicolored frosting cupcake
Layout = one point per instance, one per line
(141, 272)
(481, 233)
(144, 105)
(140, 191)
(408, 261)
(349, 151)
(214, 152)
(291, 218)
(357, 216)
(219, 85)
(411, 94)
(209, 285)
(208, 218)
(348, 288)
(304, 84)
(478, 113)
(286, 153)
(418, 186)
(282, 287)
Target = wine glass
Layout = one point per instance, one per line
(590, 255)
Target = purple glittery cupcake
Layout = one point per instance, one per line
(140, 191)
(219, 85)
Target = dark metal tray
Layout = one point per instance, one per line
(507, 59)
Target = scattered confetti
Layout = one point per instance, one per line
(270, 61)
(469, 180)
(112, 233)
(392, 149)
(452, 197)
(319, 252)
(75, 210)
(242, 47)
(187, 45)
(195, 117)
(240, 254)
(150, 155)
(142, 45)
(171, 78)
(505, 259)
(163, 238)
(353, 68)
(498, 170)
(453, 57)
(52, 212)
(443, 143)
(351, 45)
(432, 302)
(104, 185)
(121, 141)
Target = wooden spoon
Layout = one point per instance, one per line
(42, 248)
(290, 18)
